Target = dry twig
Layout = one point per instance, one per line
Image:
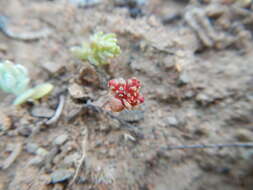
(232, 145)
(15, 153)
(84, 155)
(28, 36)
(57, 112)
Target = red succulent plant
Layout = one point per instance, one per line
(125, 94)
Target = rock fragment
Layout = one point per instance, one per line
(243, 135)
(53, 67)
(61, 175)
(43, 112)
(71, 159)
(203, 99)
(31, 148)
(84, 3)
(60, 140)
(25, 130)
(77, 92)
(183, 79)
(5, 122)
(36, 161)
(172, 121)
(132, 116)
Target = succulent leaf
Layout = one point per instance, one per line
(13, 78)
(22, 98)
(99, 50)
(127, 91)
(42, 90)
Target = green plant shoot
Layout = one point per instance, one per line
(100, 48)
(14, 79)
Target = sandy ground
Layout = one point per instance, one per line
(195, 63)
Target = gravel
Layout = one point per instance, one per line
(60, 140)
(132, 116)
(31, 148)
(61, 175)
(43, 112)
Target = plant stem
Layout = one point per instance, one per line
(101, 73)
(232, 145)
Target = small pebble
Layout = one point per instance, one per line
(31, 148)
(3, 47)
(60, 140)
(135, 12)
(172, 121)
(153, 21)
(61, 175)
(36, 161)
(42, 112)
(58, 187)
(84, 3)
(223, 170)
(10, 147)
(5, 122)
(103, 151)
(41, 152)
(81, 180)
(132, 116)
(50, 157)
(98, 143)
(202, 131)
(189, 94)
(53, 67)
(12, 133)
(25, 130)
(77, 92)
(128, 137)
(168, 62)
(203, 99)
(112, 152)
(183, 79)
(127, 2)
(243, 135)
(71, 159)
(248, 154)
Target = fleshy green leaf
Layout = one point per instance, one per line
(22, 98)
(42, 90)
(9, 82)
(13, 78)
(21, 86)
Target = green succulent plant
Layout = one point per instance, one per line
(100, 48)
(14, 79)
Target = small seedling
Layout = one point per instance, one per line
(14, 79)
(125, 94)
(100, 48)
